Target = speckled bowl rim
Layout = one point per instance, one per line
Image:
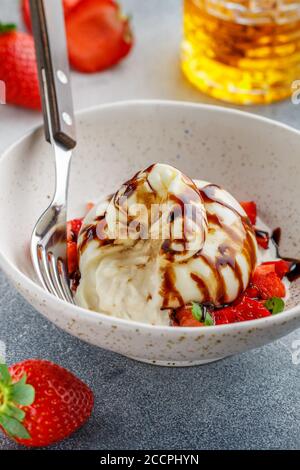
(83, 313)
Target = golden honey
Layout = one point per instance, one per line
(242, 51)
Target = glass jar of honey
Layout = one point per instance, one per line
(242, 51)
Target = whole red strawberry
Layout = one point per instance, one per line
(42, 403)
(18, 69)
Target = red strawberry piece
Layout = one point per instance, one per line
(99, 36)
(18, 69)
(262, 239)
(72, 257)
(184, 317)
(250, 209)
(42, 403)
(264, 269)
(267, 282)
(281, 267)
(246, 309)
(251, 292)
(68, 6)
(249, 309)
(89, 207)
(73, 229)
(224, 316)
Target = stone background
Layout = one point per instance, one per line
(249, 401)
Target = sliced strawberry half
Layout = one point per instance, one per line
(99, 36)
(250, 209)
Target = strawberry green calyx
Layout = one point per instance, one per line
(13, 395)
(7, 27)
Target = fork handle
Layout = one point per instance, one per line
(54, 75)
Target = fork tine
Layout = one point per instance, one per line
(53, 269)
(44, 271)
(53, 275)
(62, 273)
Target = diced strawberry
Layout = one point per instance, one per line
(72, 256)
(89, 207)
(249, 309)
(184, 317)
(73, 228)
(250, 209)
(263, 269)
(224, 316)
(246, 309)
(268, 282)
(251, 292)
(281, 267)
(262, 239)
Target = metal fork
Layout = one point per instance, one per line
(49, 243)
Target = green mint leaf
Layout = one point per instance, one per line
(5, 377)
(197, 311)
(208, 319)
(274, 305)
(13, 427)
(22, 393)
(7, 27)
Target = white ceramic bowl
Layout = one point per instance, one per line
(252, 157)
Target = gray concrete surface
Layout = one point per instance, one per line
(249, 401)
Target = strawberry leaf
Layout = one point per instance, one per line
(13, 427)
(22, 393)
(13, 394)
(197, 311)
(14, 412)
(7, 27)
(274, 305)
(4, 374)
